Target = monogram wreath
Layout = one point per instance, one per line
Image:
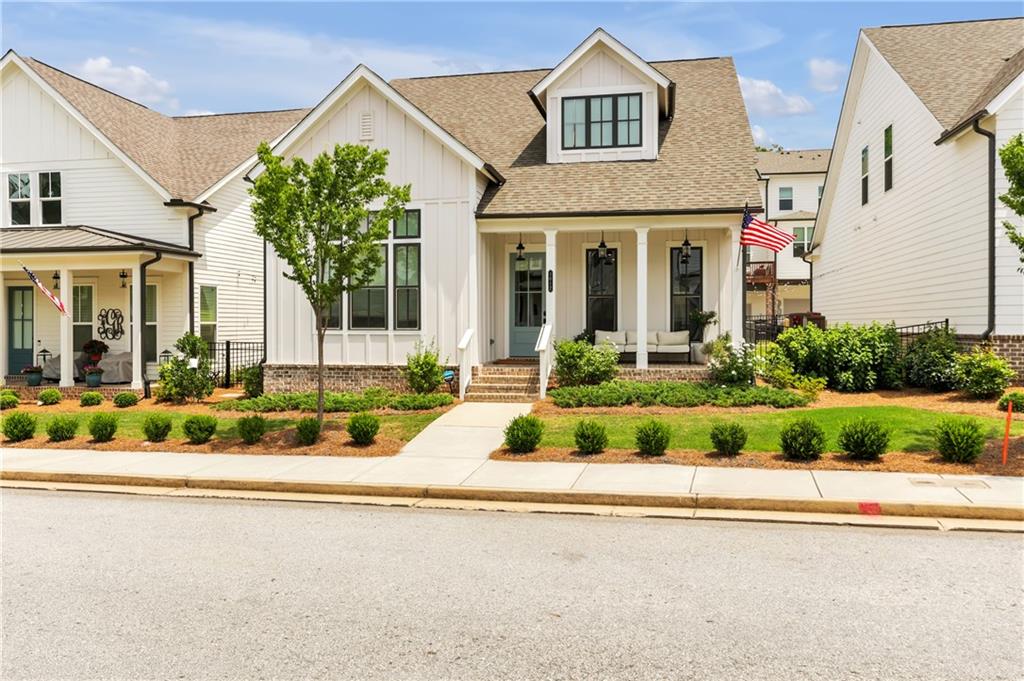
(111, 324)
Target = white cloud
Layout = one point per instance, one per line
(761, 136)
(133, 82)
(198, 112)
(826, 74)
(765, 98)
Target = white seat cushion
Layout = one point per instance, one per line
(631, 347)
(673, 348)
(673, 338)
(616, 337)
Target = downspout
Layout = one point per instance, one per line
(192, 267)
(991, 227)
(157, 257)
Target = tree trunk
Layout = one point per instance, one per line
(320, 333)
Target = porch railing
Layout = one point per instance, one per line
(761, 272)
(465, 368)
(228, 358)
(543, 350)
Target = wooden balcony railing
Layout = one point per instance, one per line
(761, 272)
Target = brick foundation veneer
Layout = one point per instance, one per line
(30, 393)
(1010, 348)
(281, 378)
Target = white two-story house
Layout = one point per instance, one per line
(132, 218)
(604, 195)
(910, 224)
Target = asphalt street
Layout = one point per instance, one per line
(117, 586)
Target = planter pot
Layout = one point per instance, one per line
(34, 378)
(93, 380)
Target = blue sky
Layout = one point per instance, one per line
(185, 58)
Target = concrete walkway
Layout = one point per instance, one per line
(471, 430)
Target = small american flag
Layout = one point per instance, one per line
(759, 233)
(53, 299)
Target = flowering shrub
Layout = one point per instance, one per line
(730, 365)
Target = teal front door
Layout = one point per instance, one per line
(526, 305)
(20, 329)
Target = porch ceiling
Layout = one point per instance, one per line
(82, 239)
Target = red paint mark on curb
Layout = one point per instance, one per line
(870, 508)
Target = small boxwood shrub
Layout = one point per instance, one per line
(8, 401)
(577, 362)
(90, 398)
(156, 427)
(49, 396)
(728, 438)
(959, 440)
(19, 425)
(930, 361)
(363, 428)
(590, 436)
(1016, 397)
(983, 373)
(652, 437)
(62, 427)
(8, 391)
(523, 433)
(252, 380)
(307, 431)
(863, 439)
(251, 428)
(802, 440)
(103, 426)
(199, 428)
(125, 399)
(423, 370)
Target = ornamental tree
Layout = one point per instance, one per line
(317, 218)
(1012, 158)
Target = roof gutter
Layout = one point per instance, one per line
(536, 102)
(991, 227)
(141, 291)
(960, 127)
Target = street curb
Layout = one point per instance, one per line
(695, 501)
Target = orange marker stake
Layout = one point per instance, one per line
(1006, 435)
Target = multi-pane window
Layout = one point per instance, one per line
(602, 290)
(686, 289)
(802, 241)
(408, 225)
(368, 307)
(785, 198)
(19, 194)
(81, 314)
(863, 176)
(49, 198)
(407, 286)
(601, 121)
(888, 158)
(150, 325)
(208, 313)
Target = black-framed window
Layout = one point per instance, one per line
(407, 286)
(785, 198)
(863, 176)
(408, 225)
(802, 240)
(50, 197)
(888, 157)
(19, 194)
(686, 292)
(368, 306)
(602, 121)
(602, 290)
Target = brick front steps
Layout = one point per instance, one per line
(504, 383)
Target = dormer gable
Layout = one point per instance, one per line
(603, 103)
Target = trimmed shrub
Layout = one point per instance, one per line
(90, 398)
(728, 438)
(577, 362)
(307, 431)
(103, 426)
(523, 433)
(930, 361)
(371, 398)
(863, 439)
(423, 371)
(983, 373)
(652, 437)
(8, 401)
(199, 428)
(850, 358)
(252, 380)
(590, 436)
(125, 400)
(363, 428)
(959, 440)
(809, 387)
(774, 367)
(728, 365)
(802, 440)
(674, 394)
(420, 402)
(8, 391)
(50, 396)
(62, 427)
(1017, 397)
(156, 427)
(251, 428)
(178, 381)
(19, 425)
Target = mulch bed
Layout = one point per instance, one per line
(990, 462)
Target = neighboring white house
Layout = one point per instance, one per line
(909, 227)
(103, 194)
(792, 182)
(521, 181)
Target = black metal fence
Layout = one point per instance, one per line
(911, 332)
(229, 357)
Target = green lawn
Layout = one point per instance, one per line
(911, 428)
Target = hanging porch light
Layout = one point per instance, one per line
(520, 248)
(123, 276)
(685, 250)
(56, 280)
(602, 248)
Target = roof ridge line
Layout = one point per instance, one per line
(240, 113)
(945, 23)
(98, 87)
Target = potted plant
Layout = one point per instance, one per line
(33, 375)
(95, 349)
(93, 375)
(699, 320)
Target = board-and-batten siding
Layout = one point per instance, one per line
(917, 252)
(233, 262)
(443, 188)
(1009, 280)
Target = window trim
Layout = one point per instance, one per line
(887, 162)
(865, 172)
(671, 248)
(155, 323)
(805, 242)
(588, 145)
(216, 311)
(419, 226)
(790, 199)
(587, 248)
(26, 200)
(43, 200)
(404, 243)
(92, 312)
(387, 280)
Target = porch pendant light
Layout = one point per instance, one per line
(520, 248)
(602, 248)
(123, 276)
(56, 280)
(684, 253)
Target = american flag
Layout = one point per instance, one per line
(53, 299)
(759, 233)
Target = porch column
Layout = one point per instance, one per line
(641, 297)
(137, 324)
(3, 331)
(736, 286)
(550, 261)
(67, 335)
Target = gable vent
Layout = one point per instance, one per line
(366, 126)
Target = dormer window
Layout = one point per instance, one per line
(604, 121)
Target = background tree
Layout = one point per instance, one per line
(317, 218)
(1012, 157)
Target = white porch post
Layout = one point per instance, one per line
(551, 277)
(67, 336)
(137, 323)
(641, 297)
(735, 266)
(3, 331)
